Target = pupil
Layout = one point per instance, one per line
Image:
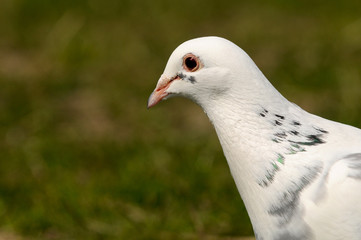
(191, 63)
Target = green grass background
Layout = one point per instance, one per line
(80, 155)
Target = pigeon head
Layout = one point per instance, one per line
(206, 68)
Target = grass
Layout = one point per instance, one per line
(82, 158)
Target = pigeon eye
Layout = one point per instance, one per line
(191, 63)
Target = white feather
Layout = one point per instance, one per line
(299, 175)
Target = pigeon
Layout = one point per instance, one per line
(299, 175)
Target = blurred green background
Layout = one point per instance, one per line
(80, 155)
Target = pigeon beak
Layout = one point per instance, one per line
(160, 91)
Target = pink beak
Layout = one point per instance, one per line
(160, 91)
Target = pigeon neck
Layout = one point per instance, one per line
(241, 138)
(257, 140)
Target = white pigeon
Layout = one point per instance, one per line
(298, 174)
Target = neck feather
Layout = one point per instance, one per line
(259, 143)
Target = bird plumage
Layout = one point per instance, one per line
(298, 174)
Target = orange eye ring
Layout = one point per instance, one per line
(191, 63)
